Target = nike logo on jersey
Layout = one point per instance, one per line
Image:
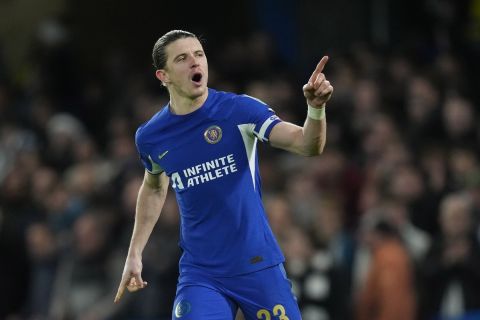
(162, 155)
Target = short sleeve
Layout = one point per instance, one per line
(145, 154)
(261, 116)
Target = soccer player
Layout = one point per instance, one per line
(204, 142)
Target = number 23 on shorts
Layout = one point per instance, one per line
(278, 311)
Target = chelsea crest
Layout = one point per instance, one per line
(213, 134)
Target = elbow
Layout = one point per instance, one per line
(313, 152)
(160, 191)
(154, 190)
(313, 148)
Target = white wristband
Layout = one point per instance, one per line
(316, 113)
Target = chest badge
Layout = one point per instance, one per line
(213, 134)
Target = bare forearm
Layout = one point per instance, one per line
(150, 200)
(149, 205)
(308, 140)
(314, 136)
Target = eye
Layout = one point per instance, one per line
(180, 58)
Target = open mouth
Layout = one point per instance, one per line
(197, 77)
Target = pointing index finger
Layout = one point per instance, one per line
(121, 289)
(318, 69)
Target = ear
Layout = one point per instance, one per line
(161, 75)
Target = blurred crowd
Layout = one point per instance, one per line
(383, 225)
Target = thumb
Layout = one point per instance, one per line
(139, 280)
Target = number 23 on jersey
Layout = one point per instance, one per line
(278, 311)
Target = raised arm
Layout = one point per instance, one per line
(310, 139)
(150, 200)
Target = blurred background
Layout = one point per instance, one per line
(384, 225)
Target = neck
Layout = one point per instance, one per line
(182, 105)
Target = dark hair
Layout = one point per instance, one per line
(159, 56)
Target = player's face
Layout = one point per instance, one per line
(186, 70)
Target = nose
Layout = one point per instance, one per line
(195, 62)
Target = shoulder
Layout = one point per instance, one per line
(148, 128)
(247, 106)
(139, 134)
(249, 100)
(223, 104)
(222, 97)
(235, 99)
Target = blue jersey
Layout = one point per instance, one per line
(211, 159)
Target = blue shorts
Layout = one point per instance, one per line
(264, 294)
